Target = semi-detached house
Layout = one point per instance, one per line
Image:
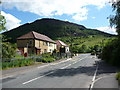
(35, 43)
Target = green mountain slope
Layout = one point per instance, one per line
(52, 28)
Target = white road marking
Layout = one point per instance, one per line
(36, 78)
(6, 77)
(50, 72)
(73, 63)
(54, 63)
(103, 77)
(66, 66)
(43, 66)
(93, 80)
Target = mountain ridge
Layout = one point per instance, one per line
(53, 28)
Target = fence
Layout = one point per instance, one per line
(62, 55)
(20, 58)
(26, 61)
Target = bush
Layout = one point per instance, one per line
(118, 77)
(8, 50)
(45, 59)
(111, 52)
(93, 52)
(17, 63)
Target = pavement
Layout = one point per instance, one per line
(105, 78)
(80, 72)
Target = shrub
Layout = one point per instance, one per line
(118, 77)
(8, 50)
(17, 63)
(45, 59)
(111, 53)
(93, 52)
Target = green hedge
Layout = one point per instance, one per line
(45, 59)
(111, 53)
(118, 77)
(17, 63)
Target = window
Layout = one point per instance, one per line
(50, 50)
(45, 50)
(45, 43)
(29, 43)
(50, 44)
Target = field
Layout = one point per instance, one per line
(88, 41)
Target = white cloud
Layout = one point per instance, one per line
(93, 17)
(66, 20)
(76, 8)
(107, 29)
(82, 15)
(11, 21)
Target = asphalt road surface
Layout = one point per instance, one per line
(79, 72)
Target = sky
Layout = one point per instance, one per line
(90, 13)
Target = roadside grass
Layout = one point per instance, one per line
(17, 63)
(118, 77)
(19, 56)
(46, 58)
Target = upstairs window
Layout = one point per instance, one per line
(30, 43)
(50, 44)
(45, 43)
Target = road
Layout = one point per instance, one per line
(79, 72)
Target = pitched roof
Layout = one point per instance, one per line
(35, 35)
(61, 43)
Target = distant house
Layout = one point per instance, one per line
(62, 47)
(35, 43)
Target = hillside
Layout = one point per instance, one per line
(53, 28)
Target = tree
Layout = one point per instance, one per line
(115, 19)
(2, 23)
(83, 49)
(97, 48)
(75, 49)
(8, 50)
(2, 28)
(111, 52)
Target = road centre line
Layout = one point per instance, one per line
(58, 62)
(36, 78)
(73, 63)
(66, 66)
(55, 63)
(49, 73)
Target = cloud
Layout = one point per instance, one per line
(11, 21)
(66, 20)
(107, 29)
(93, 17)
(75, 8)
(82, 15)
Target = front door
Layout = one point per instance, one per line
(38, 51)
